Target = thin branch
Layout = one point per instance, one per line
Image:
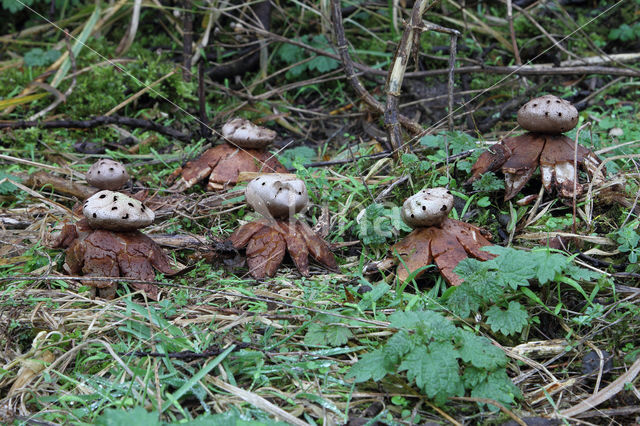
(99, 121)
(348, 65)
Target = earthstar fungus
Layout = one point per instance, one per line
(245, 150)
(544, 145)
(435, 238)
(107, 243)
(278, 198)
(107, 174)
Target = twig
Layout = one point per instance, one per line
(512, 32)
(348, 65)
(538, 69)
(202, 103)
(187, 40)
(389, 188)
(502, 408)
(127, 40)
(396, 73)
(575, 173)
(99, 121)
(605, 394)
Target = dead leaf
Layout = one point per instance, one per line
(490, 161)
(447, 252)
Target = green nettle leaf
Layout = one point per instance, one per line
(327, 334)
(497, 386)
(508, 321)
(427, 324)
(435, 371)
(479, 352)
(14, 6)
(398, 345)
(548, 265)
(515, 268)
(323, 64)
(464, 300)
(582, 274)
(372, 365)
(136, 416)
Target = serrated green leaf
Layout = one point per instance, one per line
(435, 371)
(508, 321)
(7, 187)
(472, 376)
(515, 268)
(581, 274)
(479, 352)
(323, 64)
(327, 334)
(398, 345)
(548, 265)
(463, 300)
(498, 387)
(372, 365)
(427, 324)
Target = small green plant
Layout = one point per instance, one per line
(39, 58)
(489, 285)
(441, 359)
(292, 54)
(628, 239)
(378, 223)
(625, 32)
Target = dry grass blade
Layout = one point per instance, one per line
(605, 394)
(257, 401)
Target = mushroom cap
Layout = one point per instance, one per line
(245, 134)
(277, 195)
(107, 174)
(548, 114)
(116, 212)
(428, 207)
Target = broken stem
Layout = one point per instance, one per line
(575, 172)
(347, 63)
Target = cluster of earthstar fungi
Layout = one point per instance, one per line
(108, 243)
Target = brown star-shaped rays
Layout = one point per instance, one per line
(519, 157)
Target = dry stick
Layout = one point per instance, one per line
(605, 394)
(127, 40)
(512, 31)
(343, 49)
(539, 69)
(396, 74)
(575, 172)
(453, 50)
(99, 121)
(187, 41)
(202, 102)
